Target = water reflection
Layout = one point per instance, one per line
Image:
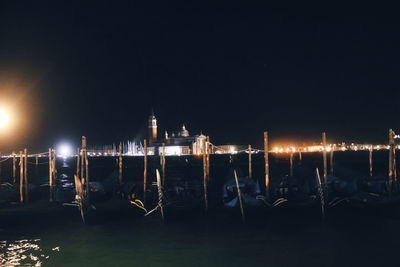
(65, 181)
(26, 252)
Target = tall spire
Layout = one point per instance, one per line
(152, 128)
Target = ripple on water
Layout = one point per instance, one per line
(25, 252)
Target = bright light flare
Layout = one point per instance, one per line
(4, 119)
(64, 150)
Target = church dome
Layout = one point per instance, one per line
(184, 132)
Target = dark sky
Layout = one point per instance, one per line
(98, 69)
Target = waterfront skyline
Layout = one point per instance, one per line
(233, 72)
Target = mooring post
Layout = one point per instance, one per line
(83, 163)
(370, 160)
(160, 195)
(208, 158)
(120, 164)
(394, 168)
(291, 164)
(266, 165)
(145, 172)
(21, 176)
(331, 160)
(163, 164)
(50, 175)
(78, 162)
(391, 165)
(321, 194)
(87, 175)
(205, 177)
(26, 176)
(37, 165)
(250, 174)
(87, 182)
(53, 177)
(392, 160)
(14, 167)
(240, 197)
(325, 163)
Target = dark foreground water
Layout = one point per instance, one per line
(45, 234)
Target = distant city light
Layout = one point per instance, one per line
(4, 119)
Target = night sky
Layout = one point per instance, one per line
(98, 69)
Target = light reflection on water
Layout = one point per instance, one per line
(25, 252)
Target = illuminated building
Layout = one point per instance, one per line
(180, 143)
(229, 149)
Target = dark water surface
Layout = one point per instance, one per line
(47, 234)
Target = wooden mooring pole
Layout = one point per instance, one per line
(370, 161)
(53, 177)
(160, 195)
(14, 160)
(83, 161)
(145, 172)
(37, 165)
(163, 164)
(26, 176)
(21, 176)
(250, 169)
(325, 162)
(331, 161)
(78, 161)
(50, 175)
(394, 170)
(266, 165)
(208, 158)
(240, 197)
(120, 164)
(87, 181)
(391, 159)
(291, 164)
(205, 177)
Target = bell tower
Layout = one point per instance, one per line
(152, 128)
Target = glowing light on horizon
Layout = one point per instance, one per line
(64, 150)
(4, 118)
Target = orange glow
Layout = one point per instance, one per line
(4, 118)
